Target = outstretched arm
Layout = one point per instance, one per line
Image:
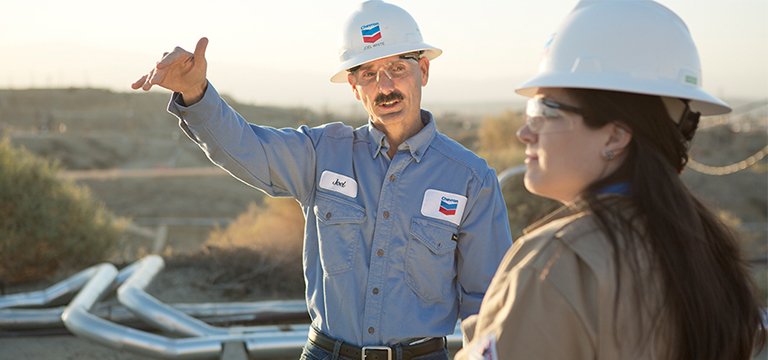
(179, 71)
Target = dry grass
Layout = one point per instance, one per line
(276, 227)
(257, 255)
(498, 143)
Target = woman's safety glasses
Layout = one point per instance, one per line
(367, 74)
(545, 116)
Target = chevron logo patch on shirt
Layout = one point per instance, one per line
(443, 205)
(448, 208)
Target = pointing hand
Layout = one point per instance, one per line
(179, 71)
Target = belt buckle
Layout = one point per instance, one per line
(366, 348)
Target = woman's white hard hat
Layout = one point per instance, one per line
(377, 30)
(636, 46)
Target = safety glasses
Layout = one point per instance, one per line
(545, 116)
(366, 74)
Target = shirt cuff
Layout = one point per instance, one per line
(198, 112)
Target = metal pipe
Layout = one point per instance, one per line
(58, 291)
(57, 294)
(259, 308)
(508, 174)
(132, 295)
(254, 312)
(29, 319)
(273, 340)
(26, 319)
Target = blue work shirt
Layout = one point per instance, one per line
(394, 249)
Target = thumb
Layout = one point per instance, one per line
(202, 44)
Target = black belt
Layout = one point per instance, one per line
(377, 352)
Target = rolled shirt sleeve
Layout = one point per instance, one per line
(483, 240)
(281, 162)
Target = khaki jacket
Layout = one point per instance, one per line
(553, 297)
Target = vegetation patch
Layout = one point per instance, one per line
(47, 224)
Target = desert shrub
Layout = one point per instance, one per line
(262, 249)
(276, 226)
(47, 224)
(498, 143)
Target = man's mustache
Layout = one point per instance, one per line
(385, 98)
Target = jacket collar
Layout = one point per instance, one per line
(570, 210)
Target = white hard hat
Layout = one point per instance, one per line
(377, 30)
(636, 46)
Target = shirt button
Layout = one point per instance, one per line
(371, 330)
(380, 252)
(375, 291)
(184, 113)
(417, 152)
(328, 216)
(386, 214)
(391, 177)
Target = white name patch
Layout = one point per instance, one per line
(338, 183)
(443, 205)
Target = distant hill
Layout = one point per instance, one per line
(100, 129)
(139, 113)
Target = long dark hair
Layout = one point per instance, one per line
(710, 308)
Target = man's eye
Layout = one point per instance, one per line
(368, 74)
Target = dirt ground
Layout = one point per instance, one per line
(62, 347)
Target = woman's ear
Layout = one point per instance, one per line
(619, 137)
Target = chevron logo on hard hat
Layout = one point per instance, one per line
(371, 33)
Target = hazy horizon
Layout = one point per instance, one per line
(283, 53)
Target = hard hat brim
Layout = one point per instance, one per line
(700, 100)
(430, 52)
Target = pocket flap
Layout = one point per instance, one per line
(436, 237)
(330, 210)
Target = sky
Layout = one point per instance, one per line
(282, 53)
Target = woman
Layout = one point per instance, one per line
(633, 266)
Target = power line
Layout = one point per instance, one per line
(725, 170)
(741, 165)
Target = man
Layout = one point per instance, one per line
(405, 227)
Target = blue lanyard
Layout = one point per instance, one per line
(618, 188)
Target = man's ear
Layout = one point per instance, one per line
(351, 80)
(424, 67)
(619, 137)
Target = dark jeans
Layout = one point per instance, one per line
(314, 352)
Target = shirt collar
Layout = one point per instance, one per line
(416, 144)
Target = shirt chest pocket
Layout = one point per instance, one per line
(430, 267)
(339, 232)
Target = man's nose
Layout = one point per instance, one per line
(386, 84)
